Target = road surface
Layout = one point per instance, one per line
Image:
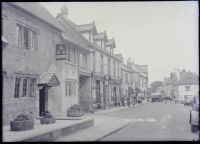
(154, 122)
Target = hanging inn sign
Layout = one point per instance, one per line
(61, 52)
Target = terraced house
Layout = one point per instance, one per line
(134, 77)
(104, 77)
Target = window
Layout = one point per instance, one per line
(91, 38)
(109, 66)
(32, 87)
(24, 88)
(28, 85)
(17, 87)
(114, 66)
(187, 88)
(83, 59)
(26, 37)
(70, 88)
(102, 44)
(126, 78)
(101, 64)
(71, 55)
(118, 69)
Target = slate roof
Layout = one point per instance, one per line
(37, 10)
(188, 78)
(70, 32)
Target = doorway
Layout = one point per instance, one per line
(115, 95)
(43, 100)
(98, 94)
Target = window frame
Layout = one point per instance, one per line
(70, 88)
(30, 92)
(30, 37)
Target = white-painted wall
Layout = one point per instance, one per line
(182, 92)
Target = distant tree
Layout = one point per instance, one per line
(155, 85)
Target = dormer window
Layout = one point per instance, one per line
(91, 38)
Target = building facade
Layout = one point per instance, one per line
(31, 80)
(187, 86)
(52, 63)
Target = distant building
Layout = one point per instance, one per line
(187, 86)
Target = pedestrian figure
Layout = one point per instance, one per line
(125, 101)
(122, 101)
(128, 101)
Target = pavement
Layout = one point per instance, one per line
(104, 125)
(39, 129)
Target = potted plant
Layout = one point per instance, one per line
(75, 111)
(22, 122)
(47, 118)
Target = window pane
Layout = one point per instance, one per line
(32, 87)
(17, 87)
(66, 88)
(19, 34)
(70, 92)
(26, 38)
(24, 87)
(69, 52)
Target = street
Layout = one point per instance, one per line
(154, 122)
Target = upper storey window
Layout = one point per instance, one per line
(26, 37)
(91, 38)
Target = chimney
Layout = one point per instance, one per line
(64, 11)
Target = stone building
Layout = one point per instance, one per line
(99, 82)
(136, 77)
(31, 80)
(77, 63)
(187, 86)
(52, 63)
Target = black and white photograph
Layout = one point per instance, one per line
(100, 71)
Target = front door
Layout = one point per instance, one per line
(98, 94)
(43, 100)
(115, 96)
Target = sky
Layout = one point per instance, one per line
(163, 35)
